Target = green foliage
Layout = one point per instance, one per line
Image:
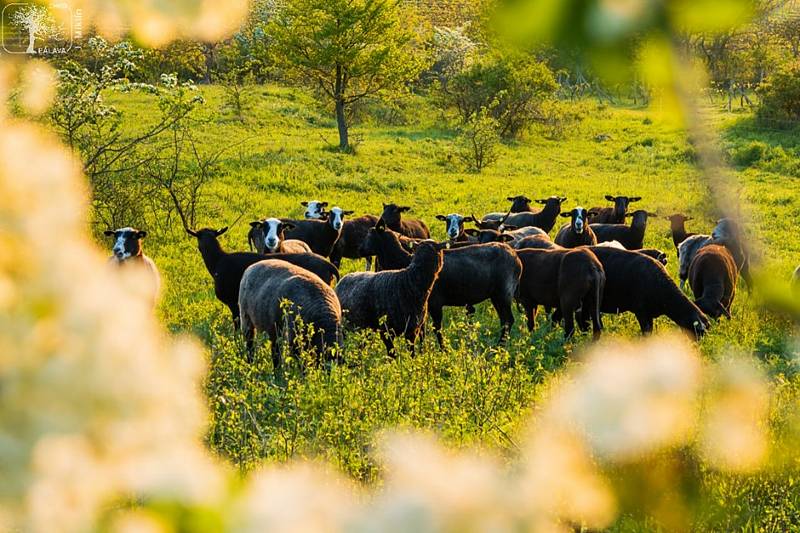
(780, 97)
(512, 88)
(349, 50)
(479, 141)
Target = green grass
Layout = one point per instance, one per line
(475, 392)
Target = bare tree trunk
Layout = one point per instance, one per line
(31, 40)
(208, 52)
(341, 118)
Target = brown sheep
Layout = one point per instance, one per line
(712, 277)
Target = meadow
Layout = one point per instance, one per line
(474, 392)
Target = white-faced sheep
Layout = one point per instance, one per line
(320, 235)
(578, 232)
(273, 294)
(394, 302)
(127, 252)
(315, 209)
(268, 237)
(454, 226)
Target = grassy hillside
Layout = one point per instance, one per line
(475, 391)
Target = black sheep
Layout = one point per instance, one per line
(564, 279)
(641, 285)
(394, 302)
(677, 226)
(712, 277)
(392, 216)
(577, 232)
(613, 215)
(354, 231)
(320, 235)
(470, 275)
(631, 237)
(544, 219)
(227, 268)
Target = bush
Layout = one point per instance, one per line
(511, 88)
(479, 141)
(750, 154)
(780, 97)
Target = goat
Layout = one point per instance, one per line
(469, 275)
(613, 215)
(320, 235)
(565, 279)
(631, 237)
(544, 219)
(409, 227)
(454, 225)
(398, 297)
(577, 232)
(227, 268)
(265, 287)
(354, 231)
(677, 226)
(268, 237)
(641, 285)
(712, 277)
(127, 252)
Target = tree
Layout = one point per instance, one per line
(350, 49)
(37, 21)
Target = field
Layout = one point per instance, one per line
(475, 391)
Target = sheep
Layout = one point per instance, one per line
(613, 215)
(314, 209)
(470, 275)
(565, 279)
(641, 285)
(544, 219)
(394, 302)
(631, 237)
(686, 252)
(354, 231)
(519, 204)
(577, 232)
(454, 225)
(655, 253)
(536, 242)
(677, 226)
(712, 277)
(320, 235)
(729, 233)
(127, 252)
(487, 233)
(264, 289)
(410, 228)
(227, 268)
(268, 237)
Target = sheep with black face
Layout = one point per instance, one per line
(127, 252)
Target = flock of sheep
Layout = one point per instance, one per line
(596, 264)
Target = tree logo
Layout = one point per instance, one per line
(38, 30)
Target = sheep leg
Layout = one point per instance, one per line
(503, 308)
(530, 314)
(387, 341)
(645, 323)
(569, 323)
(436, 317)
(368, 263)
(249, 336)
(235, 315)
(276, 351)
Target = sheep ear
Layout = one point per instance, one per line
(527, 199)
(190, 232)
(441, 217)
(610, 198)
(471, 232)
(141, 234)
(323, 204)
(540, 201)
(652, 214)
(348, 213)
(562, 199)
(380, 226)
(304, 204)
(688, 218)
(470, 218)
(404, 208)
(221, 231)
(505, 238)
(255, 224)
(634, 198)
(108, 232)
(565, 215)
(510, 198)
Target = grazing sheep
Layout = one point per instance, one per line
(686, 252)
(227, 268)
(519, 204)
(354, 231)
(470, 275)
(677, 225)
(641, 285)
(415, 229)
(265, 287)
(127, 252)
(268, 237)
(577, 232)
(544, 219)
(314, 209)
(565, 279)
(454, 226)
(320, 235)
(394, 302)
(712, 277)
(613, 215)
(631, 237)
(655, 253)
(729, 233)
(534, 242)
